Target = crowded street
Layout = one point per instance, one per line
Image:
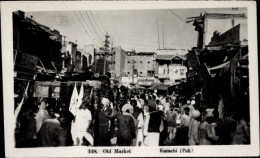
(94, 86)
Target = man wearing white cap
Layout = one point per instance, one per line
(153, 125)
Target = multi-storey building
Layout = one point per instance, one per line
(170, 69)
(119, 62)
(139, 64)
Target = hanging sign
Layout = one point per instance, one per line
(41, 91)
(25, 63)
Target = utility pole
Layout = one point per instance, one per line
(64, 40)
(163, 37)
(106, 46)
(133, 70)
(158, 34)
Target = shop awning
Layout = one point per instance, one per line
(162, 87)
(169, 57)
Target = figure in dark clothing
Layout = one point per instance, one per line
(27, 132)
(51, 133)
(126, 126)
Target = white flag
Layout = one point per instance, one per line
(81, 95)
(18, 109)
(74, 100)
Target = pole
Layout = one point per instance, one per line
(133, 70)
(163, 37)
(158, 34)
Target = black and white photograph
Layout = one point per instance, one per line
(88, 79)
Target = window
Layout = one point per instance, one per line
(141, 62)
(181, 72)
(128, 62)
(148, 62)
(128, 72)
(141, 73)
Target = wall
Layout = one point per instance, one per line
(89, 50)
(172, 72)
(142, 64)
(220, 25)
(119, 61)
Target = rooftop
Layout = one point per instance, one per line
(170, 57)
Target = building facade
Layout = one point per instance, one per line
(119, 63)
(208, 24)
(139, 64)
(171, 69)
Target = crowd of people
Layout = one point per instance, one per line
(115, 116)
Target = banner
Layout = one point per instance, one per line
(80, 97)
(74, 100)
(18, 109)
(41, 91)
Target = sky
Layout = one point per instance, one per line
(130, 29)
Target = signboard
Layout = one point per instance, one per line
(168, 82)
(55, 92)
(41, 91)
(95, 84)
(145, 82)
(25, 63)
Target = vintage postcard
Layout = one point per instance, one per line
(130, 78)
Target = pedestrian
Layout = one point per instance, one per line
(42, 114)
(81, 124)
(27, 133)
(102, 120)
(153, 126)
(207, 130)
(51, 133)
(185, 118)
(193, 134)
(182, 132)
(126, 126)
(51, 112)
(242, 132)
(184, 106)
(171, 116)
(167, 104)
(138, 114)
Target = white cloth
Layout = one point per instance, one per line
(139, 132)
(80, 97)
(74, 101)
(80, 125)
(221, 108)
(152, 139)
(166, 106)
(185, 120)
(191, 109)
(127, 107)
(41, 116)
